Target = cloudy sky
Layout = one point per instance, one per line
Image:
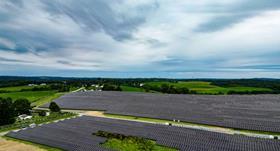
(147, 38)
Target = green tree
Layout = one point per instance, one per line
(118, 88)
(7, 111)
(164, 88)
(22, 106)
(54, 107)
(184, 90)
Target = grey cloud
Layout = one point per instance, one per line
(221, 22)
(265, 67)
(13, 60)
(257, 5)
(32, 41)
(97, 15)
(90, 15)
(226, 16)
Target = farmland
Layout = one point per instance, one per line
(37, 95)
(206, 87)
(17, 88)
(32, 96)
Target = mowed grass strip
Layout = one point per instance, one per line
(47, 99)
(206, 87)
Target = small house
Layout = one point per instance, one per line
(24, 117)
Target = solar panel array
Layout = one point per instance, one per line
(76, 135)
(253, 112)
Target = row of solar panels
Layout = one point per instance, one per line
(255, 112)
(77, 134)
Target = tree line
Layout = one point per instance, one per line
(170, 89)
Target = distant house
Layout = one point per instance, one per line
(24, 117)
(141, 84)
(31, 85)
(43, 84)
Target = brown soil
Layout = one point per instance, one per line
(94, 113)
(8, 145)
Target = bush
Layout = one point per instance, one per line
(109, 87)
(54, 107)
(42, 113)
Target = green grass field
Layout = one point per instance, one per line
(206, 87)
(32, 96)
(17, 88)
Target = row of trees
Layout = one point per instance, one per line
(273, 84)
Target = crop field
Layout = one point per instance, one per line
(77, 134)
(206, 87)
(248, 112)
(32, 96)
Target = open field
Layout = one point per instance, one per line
(11, 144)
(206, 87)
(252, 112)
(17, 88)
(76, 134)
(32, 96)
